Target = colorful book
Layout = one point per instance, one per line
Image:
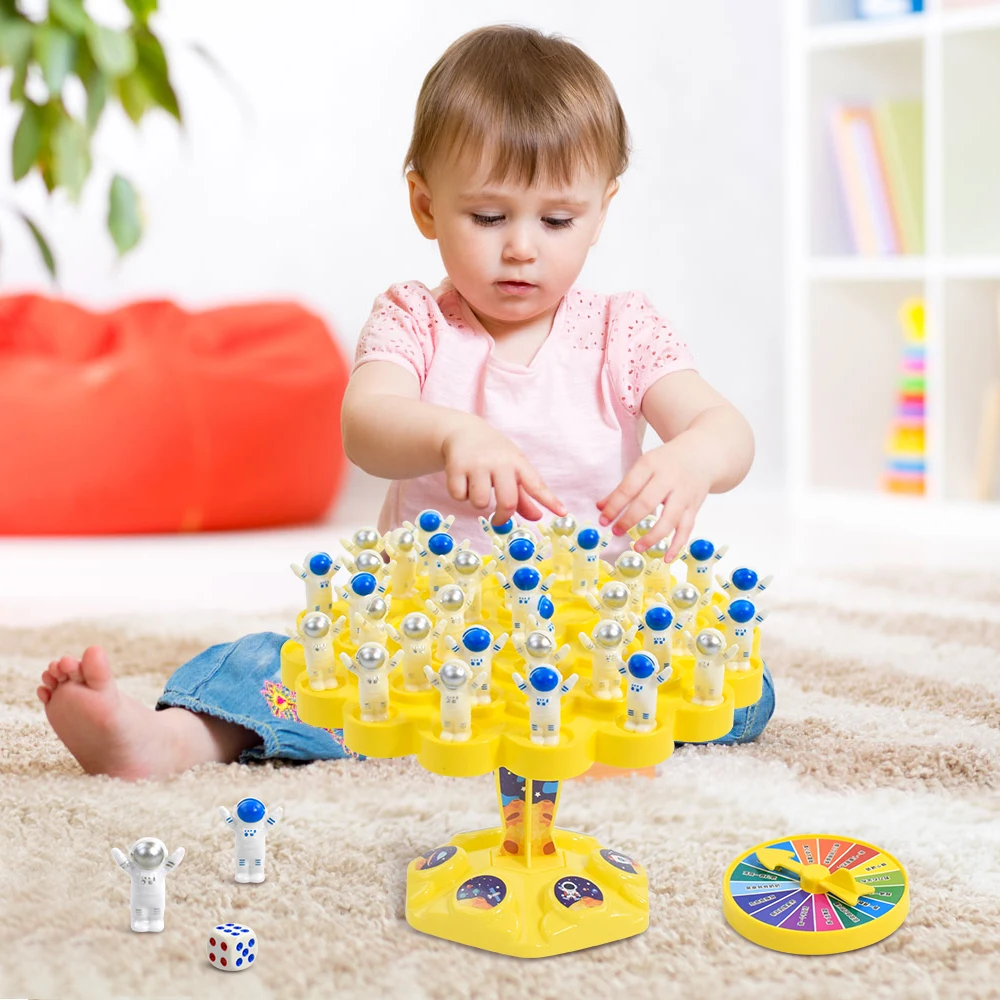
(874, 182)
(899, 126)
(849, 168)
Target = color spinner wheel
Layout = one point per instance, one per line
(815, 894)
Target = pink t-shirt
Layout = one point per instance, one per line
(575, 411)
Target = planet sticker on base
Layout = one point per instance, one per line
(815, 894)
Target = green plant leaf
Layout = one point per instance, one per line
(16, 37)
(141, 9)
(133, 95)
(113, 51)
(70, 14)
(55, 51)
(124, 220)
(152, 66)
(71, 155)
(43, 246)
(97, 93)
(27, 141)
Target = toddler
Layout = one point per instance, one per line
(505, 390)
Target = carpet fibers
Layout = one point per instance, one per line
(887, 728)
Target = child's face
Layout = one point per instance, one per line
(510, 251)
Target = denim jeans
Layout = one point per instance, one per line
(241, 682)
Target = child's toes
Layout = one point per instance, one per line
(49, 679)
(94, 667)
(67, 669)
(44, 693)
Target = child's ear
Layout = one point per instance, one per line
(420, 205)
(611, 191)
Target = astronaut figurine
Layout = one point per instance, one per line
(699, 557)
(605, 644)
(373, 625)
(317, 633)
(372, 665)
(359, 589)
(559, 532)
(737, 623)
(544, 686)
(630, 569)
(317, 572)
(644, 526)
(613, 603)
(367, 561)
(585, 553)
(710, 658)
(657, 574)
(499, 534)
(415, 639)
(519, 551)
(686, 601)
(403, 563)
(147, 865)
(362, 539)
(642, 681)
(743, 582)
(447, 607)
(428, 522)
(249, 824)
(477, 649)
(468, 570)
(439, 557)
(523, 591)
(458, 686)
(658, 627)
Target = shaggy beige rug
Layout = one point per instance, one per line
(887, 727)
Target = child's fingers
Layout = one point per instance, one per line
(480, 488)
(645, 501)
(681, 535)
(666, 522)
(535, 487)
(634, 481)
(527, 507)
(505, 488)
(458, 486)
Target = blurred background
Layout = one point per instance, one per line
(814, 184)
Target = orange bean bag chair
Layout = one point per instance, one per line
(154, 419)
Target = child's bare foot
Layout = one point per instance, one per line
(110, 733)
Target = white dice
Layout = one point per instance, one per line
(232, 947)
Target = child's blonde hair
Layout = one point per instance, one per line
(537, 105)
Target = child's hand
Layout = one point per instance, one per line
(478, 458)
(672, 474)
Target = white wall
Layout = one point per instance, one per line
(300, 194)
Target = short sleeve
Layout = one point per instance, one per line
(400, 329)
(641, 347)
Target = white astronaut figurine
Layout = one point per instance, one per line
(359, 589)
(686, 601)
(477, 649)
(317, 573)
(737, 623)
(545, 687)
(710, 658)
(658, 576)
(585, 552)
(439, 557)
(401, 547)
(699, 557)
(415, 639)
(559, 532)
(428, 522)
(658, 628)
(605, 646)
(372, 665)
(249, 824)
(317, 633)
(630, 569)
(643, 678)
(447, 607)
(523, 591)
(644, 526)
(520, 550)
(362, 539)
(371, 624)
(367, 561)
(743, 582)
(147, 865)
(500, 534)
(613, 603)
(458, 686)
(468, 570)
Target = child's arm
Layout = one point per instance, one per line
(708, 448)
(391, 433)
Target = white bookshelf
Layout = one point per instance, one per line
(843, 337)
